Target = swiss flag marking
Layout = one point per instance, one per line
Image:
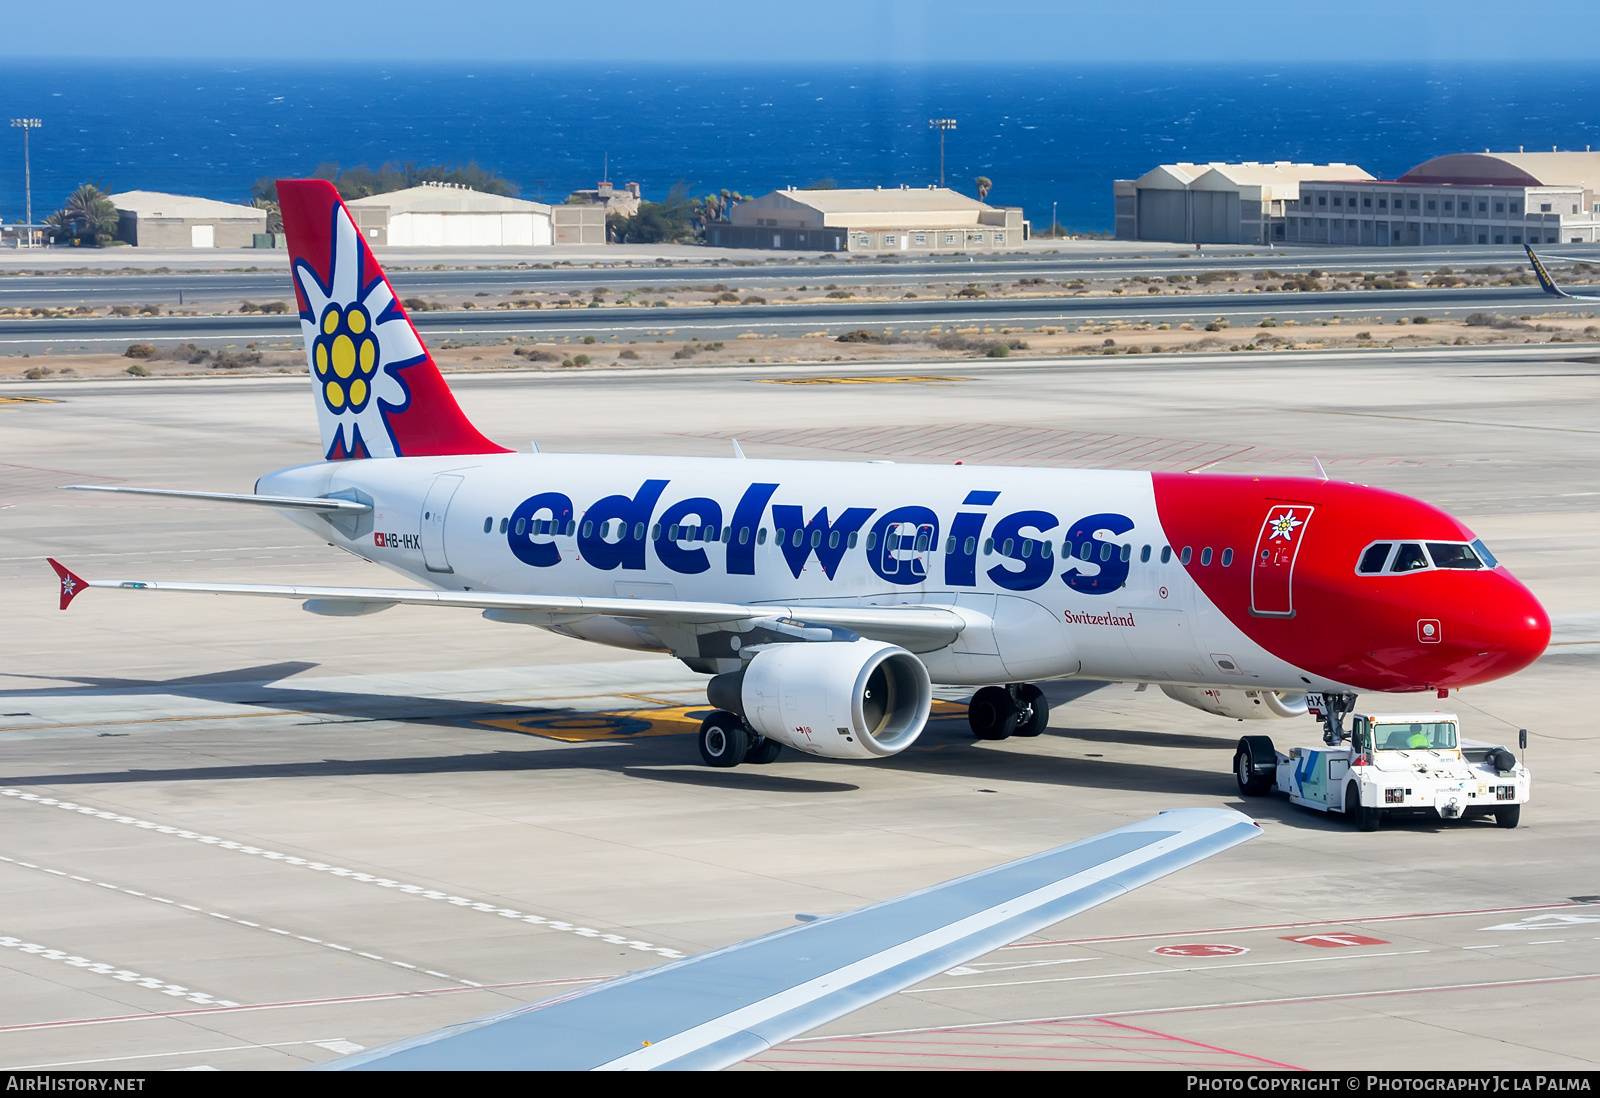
(1336, 941)
(1199, 949)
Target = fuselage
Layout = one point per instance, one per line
(1249, 582)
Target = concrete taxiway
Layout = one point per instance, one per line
(236, 835)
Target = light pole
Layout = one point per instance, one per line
(26, 124)
(1054, 231)
(941, 124)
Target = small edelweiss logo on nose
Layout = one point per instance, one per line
(1283, 526)
(345, 356)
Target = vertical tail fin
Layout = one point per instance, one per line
(379, 393)
(1548, 283)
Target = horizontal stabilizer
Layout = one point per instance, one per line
(727, 1005)
(287, 503)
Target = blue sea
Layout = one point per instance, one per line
(1048, 136)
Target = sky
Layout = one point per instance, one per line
(887, 31)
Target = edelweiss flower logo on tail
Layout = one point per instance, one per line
(356, 340)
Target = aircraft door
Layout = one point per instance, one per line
(905, 549)
(1272, 567)
(434, 508)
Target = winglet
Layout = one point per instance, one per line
(1547, 283)
(71, 584)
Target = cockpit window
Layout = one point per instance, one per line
(1484, 555)
(1373, 559)
(1450, 555)
(1409, 558)
(1414, 736)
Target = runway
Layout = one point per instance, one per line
(236, 835)
(87, 334)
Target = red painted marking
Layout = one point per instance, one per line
(1201, 1044)
(1336, 941)
(1200, 949)
(1291, 926)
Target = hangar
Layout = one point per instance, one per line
(874, 221)
(443, 215)
(1216, 203)
(153, 219)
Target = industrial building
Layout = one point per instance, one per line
(623, 203)
(874, 222)
(1460, 198)
(151, 219)
(1216, 203)
(444, 215)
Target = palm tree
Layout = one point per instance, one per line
(87, 218)
(984, 184)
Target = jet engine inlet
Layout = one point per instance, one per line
(844, 700)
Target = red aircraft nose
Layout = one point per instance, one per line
(1505, 627)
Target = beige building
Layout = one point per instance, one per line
(1217, 203)
(873, 222)
(152, 219)
(623, 203)
(1461, 198)
(444, 215)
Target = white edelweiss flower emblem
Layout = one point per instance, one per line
(356, 340)
(1283, 526)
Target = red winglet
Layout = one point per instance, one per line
(71, 584)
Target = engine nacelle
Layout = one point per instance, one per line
(858, 699)
(1244, 705)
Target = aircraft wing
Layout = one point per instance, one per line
(918, 628)
(721, 1007)
(1547, 283)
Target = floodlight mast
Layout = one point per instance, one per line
(941, 124)
(26, 124)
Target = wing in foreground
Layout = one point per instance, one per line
(1547, 283)
(919, 628)
(321, 504)
(727, 1005)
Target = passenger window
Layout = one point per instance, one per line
(502, 526)
(1144, 555)
(744, 535)
(1409, 558)
(988, 546)
(1005, 550)
(1105, 550)
(1027, 548)
(969, 547)
(522, 526)
(1205, 557)
(1448, 555)
(1227, 557)
(1127, 551)
(949, 544)
(761, 536)
(1185, 556)
(852, 543)
(1166, 554)
(1373, 559)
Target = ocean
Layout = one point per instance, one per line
(1048, 136)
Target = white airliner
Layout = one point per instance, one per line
(824, 598)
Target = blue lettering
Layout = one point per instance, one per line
(817, 536)
(961, 563)
(519, 531)
(708, 524)
(633, 515)
(1010, 543)
(747, 516)
(899, 544)
(1111, 571)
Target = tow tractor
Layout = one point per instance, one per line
(1389, 764)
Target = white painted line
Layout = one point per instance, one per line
(154, 983)
(321, 867)
(1548, 942)
(329, 1045)
(226, 918)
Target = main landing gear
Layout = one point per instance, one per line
(1019, 709)
(726, 741)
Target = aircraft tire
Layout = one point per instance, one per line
(1367, 819)
(762, 751)
(992, 713)
(1038, 714)
(723, 739)
(1508, 816)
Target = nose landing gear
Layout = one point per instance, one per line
(1018, 709)
(1334, 709)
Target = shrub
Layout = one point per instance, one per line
(971, 291)
(533, 354)
(1269, 322)
(1215, 276)
(188, 352)
(417, 305)
(149, 310)
(998, 350)
(581, 360)
(140, 350)
(729, 296)
(860, 335)
(122, 310)
(1419, 320)
(139, 369)
(34, 373)
(840, 293)
(686, 351)
(753, 300)
(588, 339)
(716, 346)
(1363, 335)
(236, 360)
(1216, 325)
(632, 355)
